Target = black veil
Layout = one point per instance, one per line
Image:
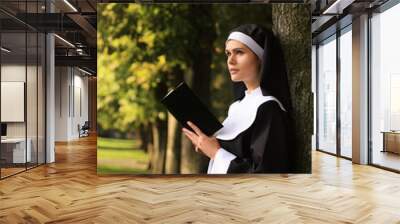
(274, 80)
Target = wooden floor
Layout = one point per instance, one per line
(70, 191)
(10, 171)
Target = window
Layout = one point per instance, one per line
(346, 92)
(326, 60)
(385, 88)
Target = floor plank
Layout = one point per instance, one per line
(69, 191)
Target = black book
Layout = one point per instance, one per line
(185, 106)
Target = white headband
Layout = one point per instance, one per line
(248, 41)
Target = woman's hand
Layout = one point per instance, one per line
(208, 145)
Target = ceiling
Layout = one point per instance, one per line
(73, 21)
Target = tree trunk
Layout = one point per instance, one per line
(201, 56)
(150, 147)
(156, 146)
(160, 142)
(173, 157)
(144, 137)
(292, 23)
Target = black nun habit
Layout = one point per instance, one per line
(255, 137)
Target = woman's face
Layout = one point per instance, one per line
(243, 64)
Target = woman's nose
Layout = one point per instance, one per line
(231, 60)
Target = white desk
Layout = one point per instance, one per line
(18, 149)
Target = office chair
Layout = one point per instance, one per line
(84, 130)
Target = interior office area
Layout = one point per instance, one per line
(48, 82)
(356, 82)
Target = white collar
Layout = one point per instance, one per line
(242, 114)
(256, 92)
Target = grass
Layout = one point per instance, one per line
(120, 170)
(114, 143)
(120, 156)
(129, 154)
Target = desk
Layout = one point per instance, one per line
(16, 147)
(391, 141)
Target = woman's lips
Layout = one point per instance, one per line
(232, 71)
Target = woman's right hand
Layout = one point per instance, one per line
(208, 145)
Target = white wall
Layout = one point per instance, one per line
(13, 73)
(33, 126)
(71, 94)
(61, 103)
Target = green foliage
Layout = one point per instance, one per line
(138, 52)
(135, 54)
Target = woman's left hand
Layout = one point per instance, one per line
(208, 145)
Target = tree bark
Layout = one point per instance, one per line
(173, 156)
(150, 147)
(159, 142)
(144, 137)
(292, 24)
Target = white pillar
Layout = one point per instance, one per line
(50, 92)
(50, 97)
(360, 90)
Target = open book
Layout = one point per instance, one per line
(185, 106)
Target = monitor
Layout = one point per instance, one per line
(3, 129)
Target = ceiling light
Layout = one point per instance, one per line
(64, 40)
(5, 50)
(338, 6)
(84, 71)
(70, 5)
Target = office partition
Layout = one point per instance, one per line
(22, 78)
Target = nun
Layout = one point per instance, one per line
(256, 134)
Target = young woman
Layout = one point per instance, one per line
(255, 137)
